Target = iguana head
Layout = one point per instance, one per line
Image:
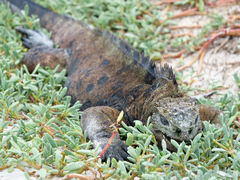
(176, 118)
(174, 115)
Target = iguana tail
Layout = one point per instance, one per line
(34, 9)
(63, 28)
(66, 30)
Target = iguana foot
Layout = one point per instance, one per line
(41, 51)
(117, 150)
(32, 38)
(209, 113)
(97, 121)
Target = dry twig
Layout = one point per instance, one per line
(165, 2)
(215, 35)
(79, 176)
(175, 55)
(185, 27)
(188, 12)
(185, 34)
(221, 3)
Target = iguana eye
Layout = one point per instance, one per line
(163, 120)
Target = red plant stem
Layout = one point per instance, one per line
(217, 34)
(201, 61)
(176, 55)
(120, 117)
(222, 33)
(237, 122)
(235, 26)
(79, 176)
(185, 27)
(164, 2)
(238, 118)
(221, 3)
(108, 144)
(185, 34)
(188, 12)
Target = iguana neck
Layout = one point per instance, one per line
(140, 107)
(143, 105)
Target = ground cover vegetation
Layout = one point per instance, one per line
(40, 132)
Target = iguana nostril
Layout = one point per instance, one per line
(178, 131)
(190, 131)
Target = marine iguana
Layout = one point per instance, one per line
(107, 75)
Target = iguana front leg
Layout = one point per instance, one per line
(96, 122)
(41, 51)
(209, 113)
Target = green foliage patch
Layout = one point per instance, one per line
(39, 128)
(143, 25)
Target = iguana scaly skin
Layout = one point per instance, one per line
(107, 75)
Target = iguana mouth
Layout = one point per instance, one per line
(160, 136)
(168, 138)
(170, 146)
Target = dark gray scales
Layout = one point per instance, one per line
(104, 63)
(102, 80)
(89, 88)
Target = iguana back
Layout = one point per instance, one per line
(102, 68)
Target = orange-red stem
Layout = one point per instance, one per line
(108, 144)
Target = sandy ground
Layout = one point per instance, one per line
(222, 58)
(221, 61)
(15, 175)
